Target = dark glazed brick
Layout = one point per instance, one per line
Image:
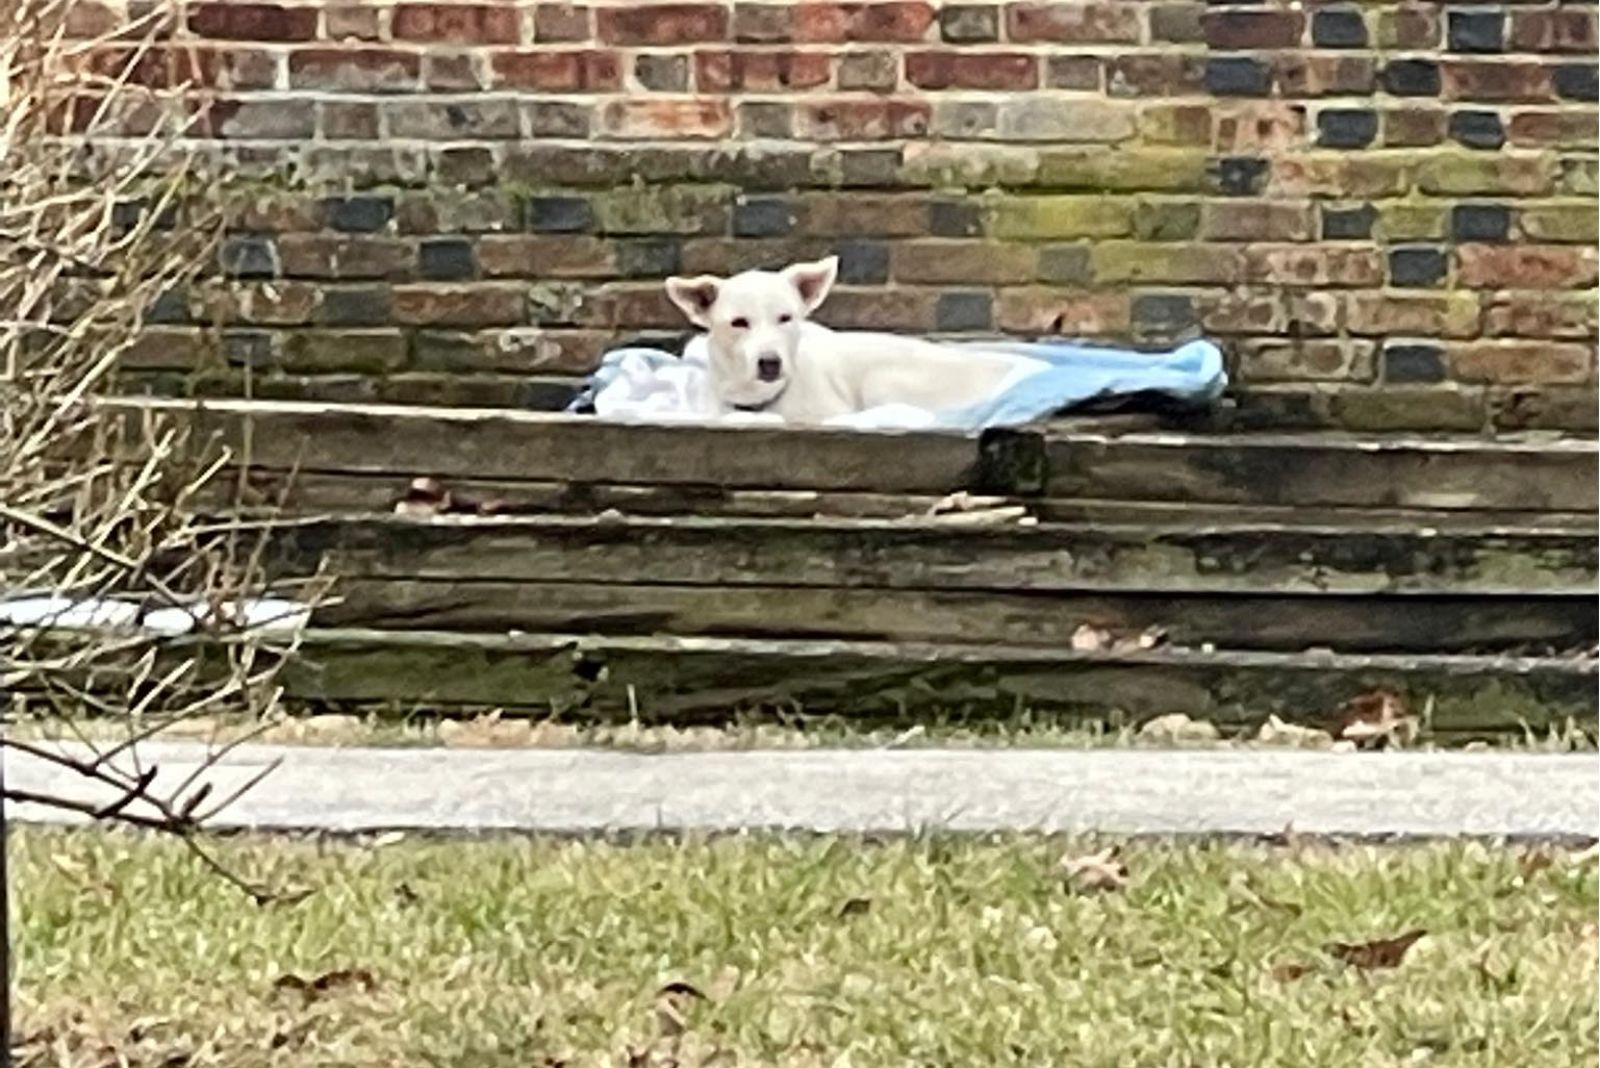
(954, 218)
(1346, 128)
(649, 258)
(1413, 363)
(1576, 81)
(1338, 28)
(1239, 176)
(662, 73)
(249, 257)
(1477, 129)
(1417, 266)
(367, 306)
(171, 306)
(863, 263)
(248, 348)
(560, 215)
(963, 311)
(446, 259)
(1238, 76)
(1348, 224)
(358, 215)
(1411, 77)
(1477, 31)
(762, 217)
(1065, 265)
(970, 23)
(1480, 222)
(1164, 314)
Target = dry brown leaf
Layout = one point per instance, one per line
(1382, 953)
(327, 982)
(425, 497)
(1374, 719)
(1089, 638)
(1095, 873)
(672, 1003)
(854, 906)
(1289, 970)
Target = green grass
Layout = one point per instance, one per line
(807, 951)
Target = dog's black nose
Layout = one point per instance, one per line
(768, 368)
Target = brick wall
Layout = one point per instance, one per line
(1386, 212)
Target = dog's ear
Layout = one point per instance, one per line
(813, 280)
(694, 297)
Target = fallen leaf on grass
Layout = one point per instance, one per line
(327, 981)
(1096, 872)
(672, 1003)
(1383, 953)
(1089, 638)
(1289, 970)
(855, 906)
(1242, 891)
(1374, 719)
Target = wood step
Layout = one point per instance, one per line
(1534, 474)
(688, 680)
(930, 555)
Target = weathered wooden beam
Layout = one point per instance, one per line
(877, 554)
(1326, 469)
(688, 679)
(1418, 623)
(497, 444)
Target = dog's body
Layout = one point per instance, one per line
(765, 356)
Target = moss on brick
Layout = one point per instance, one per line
(1050, 217)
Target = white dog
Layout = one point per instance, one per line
(765, 355)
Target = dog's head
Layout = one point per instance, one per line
(752, 322)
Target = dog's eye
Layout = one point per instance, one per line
(740, 324)
(785, 318)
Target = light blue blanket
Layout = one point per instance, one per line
(1191, 374)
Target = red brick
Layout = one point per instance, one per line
(971, 263)
(452, 72)
(1541, 316)
(906, 310)
(624, 306)
(347, 120)
(880, 22)
(529, 256)
(1409, 26)
(1496, 81)
(1325, 266)
(226, 68)
(558, 72)
(1103, 23)
(478, 305)
(1147, 74)
(1562, 29)
(972, 70)
(1300, 360)
(662, 24)
(351, 22)
(562, 23)
(1243, 30)
(864, 120)
(150, 67)
(345, 256)
(253, 22)
(354, 70)
(863, 215)
(1313, 75)
(1260, 127)
(1416, 314)
(667, 119)
(1569, 127)
(1055, 312)
(1241, 220)
(1514, 362)
(1526, 266)
(1241, 312)
(763, 23)
(457, 23)
(1415, 127)
(721, 72)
